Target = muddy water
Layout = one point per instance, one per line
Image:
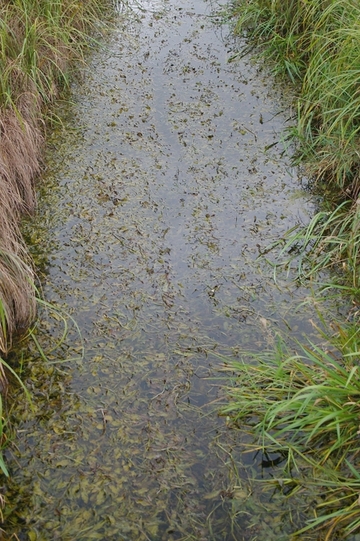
(159, 197)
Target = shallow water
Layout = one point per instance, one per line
(159, 197)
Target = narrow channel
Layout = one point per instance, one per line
(165, 182)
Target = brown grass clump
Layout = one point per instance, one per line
(20, 145)
(39, 40)
(16, 293)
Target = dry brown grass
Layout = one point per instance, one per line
(20, 146)
(16, 293)
(39, 40)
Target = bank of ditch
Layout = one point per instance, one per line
(41, 42)
(303, 397)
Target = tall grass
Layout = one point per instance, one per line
(303, 404)
(317, 44)
(40, 43)
(329, 119)
(302, 400)
(39, 38)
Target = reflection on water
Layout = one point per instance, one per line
(159, 198)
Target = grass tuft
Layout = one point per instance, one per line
(303, 404)
(40, 42)
(17, 293)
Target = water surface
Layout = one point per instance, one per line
(160, 195)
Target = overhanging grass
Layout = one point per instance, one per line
(330, 242)
(40, 43)
(305, 405)
(317, 44)
(38, 40)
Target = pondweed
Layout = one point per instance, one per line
(6, 368)
(56, 346)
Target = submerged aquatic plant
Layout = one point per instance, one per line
(57, 342)
(5, 370)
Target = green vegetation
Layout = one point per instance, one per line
(40, 40)
(301, 401)
(331, 241)
(316, 43)
(303, 406)
(40, 43)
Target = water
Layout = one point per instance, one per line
(160, 194)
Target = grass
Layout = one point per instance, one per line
(317, 45)
(295, 411)
(40, 43)
(302, 404)
(17, 293)
(330, 242)
(302, 400)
